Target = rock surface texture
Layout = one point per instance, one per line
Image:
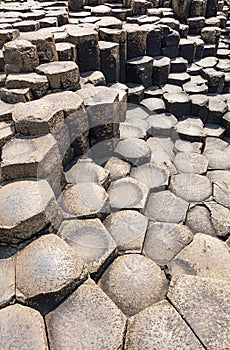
(114, 175)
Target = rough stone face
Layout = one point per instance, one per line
(187, 147)
(7, 277)
(134, 151)
(127, 193)
(191, 129)
(87, 171)
(199, 220)
(178, 103)
(30, 157)
(7, 131)
(194, 163)
(86, 199)
(220, 217)
(161, 125)
(109, 58)
(27, 207)
(154, 176)
(198, 299)
(8, 35)
(47, 269)
(14, 96)
(22, 328)
(134, 282)
(83, 319)
(127, 227)
(117, 168)
(20, 56)
(90, 240)
(158, 327)
(161, 69)
(221, 193)
(164, 240)
(166, 207)
(62, 74)
(139, 70)
(191, 187)
(37, 83)
(206, 257)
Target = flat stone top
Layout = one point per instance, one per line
(18, 45)
(98, 95)
(56, 67)
(41, 34)
(79, 34)
(103, 45)
(47, 106)
(29, 77)
(23, 199)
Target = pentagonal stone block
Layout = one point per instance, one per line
(154, 176)
(206, 257)
(43, 39)
(136, 40)
(62, 74)
(161, 69)
(164, 240)
(134, 151)
(139, 70)
(109, 58)
(127, 193)
(27, 26)
(37, 83)
(161, 125)
(47, 269)
(90, 240)
(117, 168)
(166, 207)
(22, 328)
(134, 282)
(127, 227)
(194, 163)
(160, 325)
(199, 220)
(27, 207)
(198, 299)
(85, 170)
(20, 56)
(83, 319)
(38, 157)
(191, 187)
(7, 277)
(191, 129)
(178, 104)
(86, 199)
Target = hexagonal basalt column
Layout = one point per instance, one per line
(26, 207)
(87, 318)
(33, 157)
(22, 328)
(46, 271)
(20, 56)
(61, 75)
(134, 282)
(91, 241)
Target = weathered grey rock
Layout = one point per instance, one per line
(66, 52)
(206, 257)
(134, 282)
(140, 70)
(210, 35)
(178, 65)
(133, 128)
(135, 93)
(7, 276)
(191, 187)
(117, 168)
(47, 269)
(90, 240)
(127, 227)
(136, 40)
(154, 105)
(8, 35)
(27, 26)
(20, 56)
(161, 125)
(162, 152)
(194, 163)
(127, 193)
(199, 106)
(7, 131)
(43, 39)
(177, 103)
(83, 319)
(195, 87)
(198, 299)
(178, 78)
(13, 96)
(220, 217)
(96, 78)
(164, 240)
(166, 207)
(86, 199)
(219, 176)
(86, 41)
(101, 10)
(154, 176)
(214, 130)
(109, 58)
(191, 129)
(161, 69)
(187, 49)
(134, 151)
(153, 44)
(199, 220)
(26, 157)
(181, 8)
(196, 24)
(160, 326)
(217, 108)
(85, 170)
(62, 74)
(109, 22)
(207, 62)
(6, 111)
(37, 83)
(27, 207)
(215, 80)
(187, 147)
(22, 327)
